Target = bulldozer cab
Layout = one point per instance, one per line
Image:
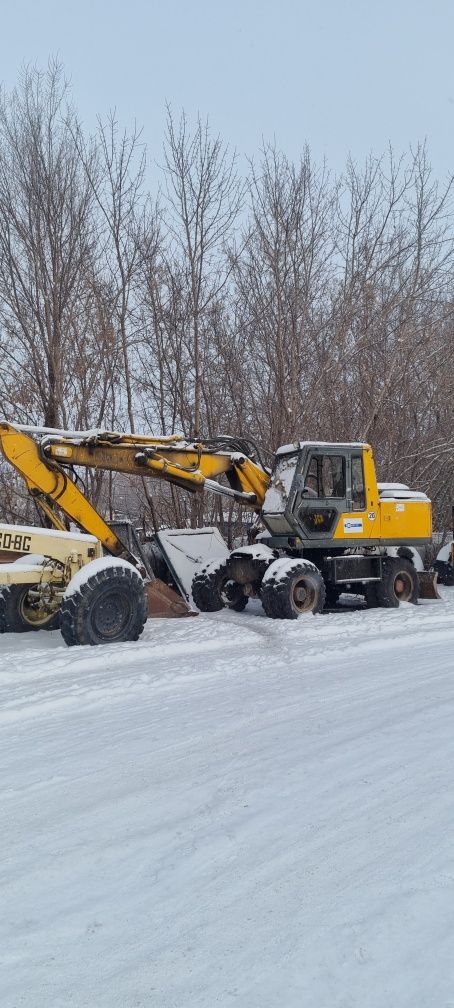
(319, 488)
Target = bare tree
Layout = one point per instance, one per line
(391, 309)
(47, 246)
(322, 309)
(281, 282)
(116, 182)
(204, 198)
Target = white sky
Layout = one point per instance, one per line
(345, 75)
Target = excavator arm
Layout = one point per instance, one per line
(51, 487)
(193, 466)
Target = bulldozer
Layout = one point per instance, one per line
(323, 525)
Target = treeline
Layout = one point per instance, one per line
(291, 304)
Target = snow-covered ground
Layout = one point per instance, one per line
(231, 812)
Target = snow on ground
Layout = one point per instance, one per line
(231, 812)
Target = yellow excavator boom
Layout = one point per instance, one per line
(49, 485)
(193, 466)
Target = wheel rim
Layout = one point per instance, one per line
(31, 613)
(303, 595)
(111, 614)
(403, 586)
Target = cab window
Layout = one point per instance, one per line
(358, 488)
(333, 476)
(325, 476)
(311, 482)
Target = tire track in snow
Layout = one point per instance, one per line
(37, 681)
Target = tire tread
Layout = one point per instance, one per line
(391, 566)
(207, 586)
(74, 625)
(276, 594)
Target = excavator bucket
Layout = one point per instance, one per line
(428, 588)
(164, 602)
(182, 552)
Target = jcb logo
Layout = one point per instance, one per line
(15, 541)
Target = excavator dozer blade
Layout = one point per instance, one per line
(164, 602)
(428, 587)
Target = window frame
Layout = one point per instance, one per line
(357, 457)
(319, 459)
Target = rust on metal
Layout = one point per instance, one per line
(428, 587)
(9, 556)
(165, 602)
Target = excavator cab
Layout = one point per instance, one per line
(326, 496)
(331, 486)
(318, 489)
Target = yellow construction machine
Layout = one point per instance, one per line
(327, 527)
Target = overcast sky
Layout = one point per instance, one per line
(343, 75)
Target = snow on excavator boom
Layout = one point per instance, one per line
(43, 456)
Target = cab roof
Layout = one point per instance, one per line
(298, 445)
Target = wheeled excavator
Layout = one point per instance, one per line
(326, 526)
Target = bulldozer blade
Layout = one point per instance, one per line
(164, 602)
(428, 587)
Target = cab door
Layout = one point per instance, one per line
(322, 494)
(333, 496)
(361, 519)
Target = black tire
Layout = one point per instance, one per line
(445, 572)
(212, 590)
(371, 595)
(399, 583)
(333, 593)
(110, 607)
(155, 559)
(19, 614)
(289, 594)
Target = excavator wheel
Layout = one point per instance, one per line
(399, 583)
(291, 588)
(212, 589)
(108, 607)
(19, 613)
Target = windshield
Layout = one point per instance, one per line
(281, 484)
